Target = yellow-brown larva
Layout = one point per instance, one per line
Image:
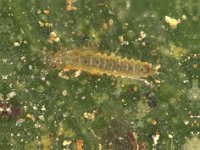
(98, 63)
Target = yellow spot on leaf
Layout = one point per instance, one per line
(46, 142)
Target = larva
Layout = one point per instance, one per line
(98, 63)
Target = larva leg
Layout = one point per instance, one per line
(67, 68)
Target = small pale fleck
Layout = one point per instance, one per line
(16, 44)
(157, 81)
(43, 108)
(46, 11)
(83, 97)
(30, 117)
(41, 23)
(10, 95)
(172, 21)
(47, 24)
(170, 136)
(89, 116)
(77, 73)
(64, 93)
(19, 122)
(37, 125)
(39, 11)
(142, 34)
(111, 22)
(57, 39)
(35, 108)
(30, 67)
(184, 17)
(67, 142)
(41, 117)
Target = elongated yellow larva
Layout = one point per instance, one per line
(98, 63)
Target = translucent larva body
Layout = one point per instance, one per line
(98, 63)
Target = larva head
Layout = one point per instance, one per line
(145, 69)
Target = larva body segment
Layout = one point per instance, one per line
(97, 63)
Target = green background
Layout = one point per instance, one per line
(123, 105)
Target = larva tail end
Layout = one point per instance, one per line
(48, 58)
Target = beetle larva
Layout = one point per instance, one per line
(98, 63)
